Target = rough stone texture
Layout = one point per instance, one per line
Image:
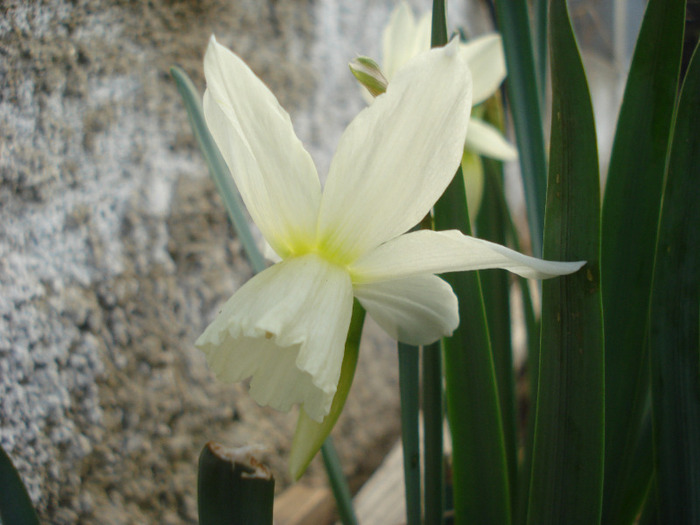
(115, 250)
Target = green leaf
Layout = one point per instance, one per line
(433, 419)
(409, 384)
(674, 335)
(480, 474)
(540, 14)
(310, 435)
(524, 98)
(217, 167)
(492, 226)
(629, 224)
(567, 465)
(15, 505)
(233, 487)
(340, 488)
(479, 470)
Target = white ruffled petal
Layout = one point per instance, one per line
(417, 310)
(273, 172)
(286, 328)
(487, 62)
(487, 140)
(398, 155)
(427, 251)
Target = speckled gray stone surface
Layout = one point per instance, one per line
(115, 250)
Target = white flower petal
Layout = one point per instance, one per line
(473, 173)
(286, 328)
(417, 310)
(485, 58)
(424, 28)
(274, 173)
(398, 39)
(427, 251)
(487, 140)
(397, 156)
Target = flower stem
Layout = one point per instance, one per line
(339, 486)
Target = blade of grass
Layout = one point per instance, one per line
(567, 465)
(433, 417)
(523, 95)
(629, 224)
(674, 335)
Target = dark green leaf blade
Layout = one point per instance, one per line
(567, 467)
(479, 470)
(433, 420)
(524, 98)
(480, 475)
(409, 384)
(629, 223)
(492, 226)
(233, 487)
(15, 506)
(674, 335)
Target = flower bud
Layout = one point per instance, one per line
(368, 73)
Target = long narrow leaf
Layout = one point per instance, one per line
(341, 491)
(567, 468)
(479, 468)
(523, 94)
(409, 381)
(539, 11)
(675, 318)
(480, 475)
(630, 217)
(15, 506)
(433, 417)
(491, 224)
(217, 167)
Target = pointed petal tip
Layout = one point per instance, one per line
(452, 47)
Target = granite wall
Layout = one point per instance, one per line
(115, 250)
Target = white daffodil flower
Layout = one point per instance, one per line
(405, 36)
(287, 326)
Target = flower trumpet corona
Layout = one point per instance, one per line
(286, 327)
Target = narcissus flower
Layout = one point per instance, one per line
(286, 327)
(405, 36)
